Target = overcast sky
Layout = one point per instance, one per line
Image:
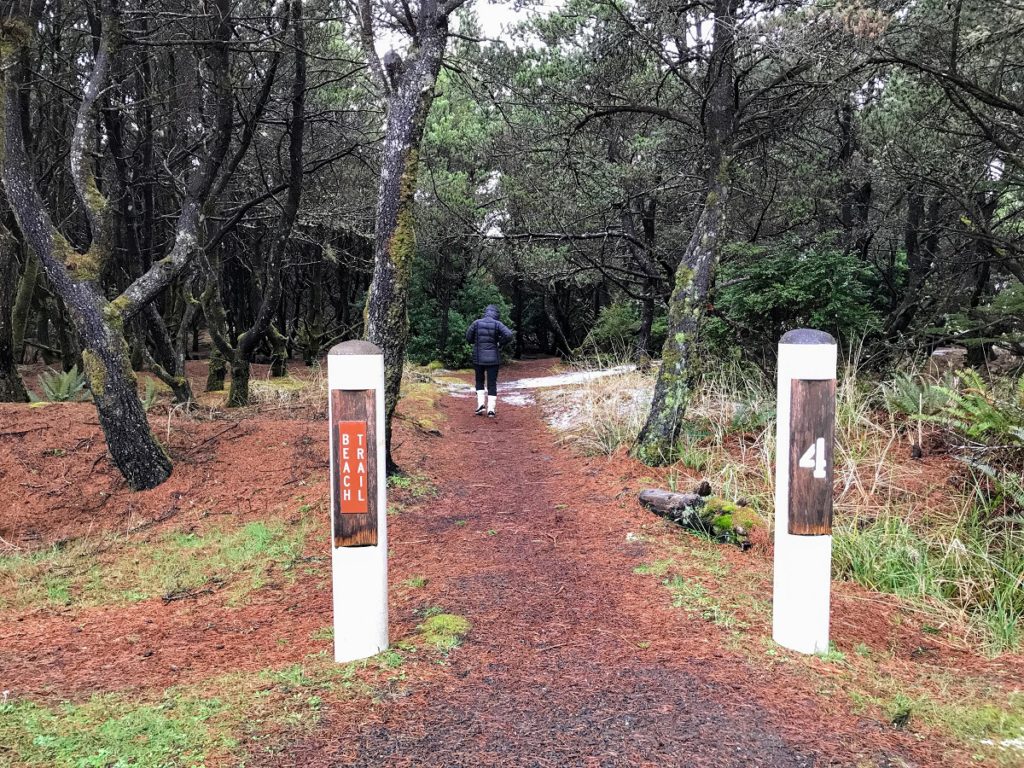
(495, 19)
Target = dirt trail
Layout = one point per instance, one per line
(572, 660)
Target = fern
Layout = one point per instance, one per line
(61, 387)
(983, 414)
(915, 396)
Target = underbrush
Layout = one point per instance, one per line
(945, 533)
(306, 392)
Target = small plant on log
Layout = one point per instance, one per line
(722, 520)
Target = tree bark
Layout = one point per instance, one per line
(74, 275)
(217, 372)
(12, 390)
(656, 443)
(409, 91)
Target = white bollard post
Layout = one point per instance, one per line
(805, 434)
(359, 542)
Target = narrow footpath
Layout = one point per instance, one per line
(572, 660)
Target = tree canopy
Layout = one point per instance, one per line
(656, 179)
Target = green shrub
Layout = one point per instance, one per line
(615, 330)
(768, 290)
(990, 415)
(467, 304)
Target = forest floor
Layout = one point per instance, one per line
(539, 617)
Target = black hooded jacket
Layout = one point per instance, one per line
(488, 335)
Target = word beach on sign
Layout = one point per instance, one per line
(353, 490)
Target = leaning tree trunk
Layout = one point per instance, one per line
(674, 386)
(656, 443)
(410, 96)
(131, 443)
(75, 276)
(12, 390)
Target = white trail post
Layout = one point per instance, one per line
(805, 434)
(359, 542)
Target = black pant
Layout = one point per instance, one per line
(492, 378)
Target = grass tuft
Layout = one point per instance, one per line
(445, 631)
(110, 571)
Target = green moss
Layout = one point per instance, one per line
(402, 244)
(746, 519)
(113, 315)
(445, 631)
(15, 34)
(718, 504)
(93, 197)
(730, 522)
(114, 310)
(95, 373)
(724, 522)
(85, 267)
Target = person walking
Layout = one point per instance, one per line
(487, 335)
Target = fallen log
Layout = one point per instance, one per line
(722, 520)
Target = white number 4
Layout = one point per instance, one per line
(814, 458)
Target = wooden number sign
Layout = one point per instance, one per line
(812, 426)
(354, 479)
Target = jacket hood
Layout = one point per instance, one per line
(492, 312)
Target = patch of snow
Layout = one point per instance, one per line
(466, 391)
(458, 389)
(515, 399)
(514, 392)
(569, 410)
(1017, 743)
(566, 379)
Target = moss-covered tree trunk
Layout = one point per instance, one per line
(217, 372)
(74, 275)
(656, 443)
(674, 385)
(278, 353)
(409, 90)
(12, 390)
(23, 303)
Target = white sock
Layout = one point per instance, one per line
(480, 395)
(492, 401)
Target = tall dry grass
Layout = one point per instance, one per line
(951, 551)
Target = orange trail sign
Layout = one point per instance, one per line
(353, 487)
